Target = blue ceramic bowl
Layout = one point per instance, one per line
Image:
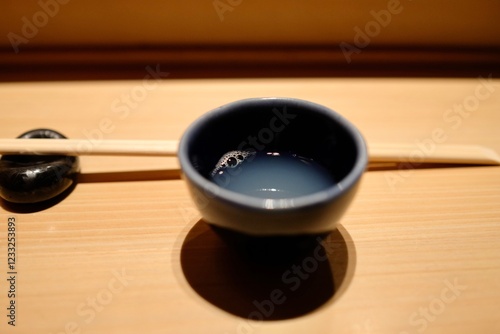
(273, 124)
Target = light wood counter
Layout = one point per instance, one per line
(126, 252)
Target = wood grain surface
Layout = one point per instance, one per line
(126, 251)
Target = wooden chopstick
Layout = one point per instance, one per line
(87, 147)
(442, 153)
(378, 152)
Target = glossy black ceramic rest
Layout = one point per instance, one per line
(36, 178)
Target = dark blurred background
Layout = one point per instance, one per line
(80, 40)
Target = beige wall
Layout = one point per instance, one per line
(155, 22)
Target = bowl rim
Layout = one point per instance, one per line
(329, 194)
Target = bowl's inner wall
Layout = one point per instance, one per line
(274, 126)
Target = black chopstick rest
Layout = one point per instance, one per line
(34, 178)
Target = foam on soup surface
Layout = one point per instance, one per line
(272, 175)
